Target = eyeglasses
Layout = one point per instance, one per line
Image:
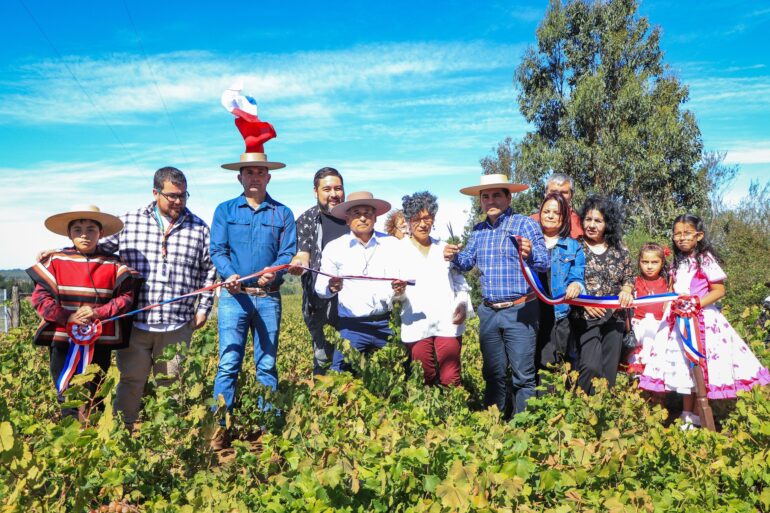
(684, 236)
(427, 221)
(174, 197)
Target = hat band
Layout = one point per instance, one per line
(253, 157)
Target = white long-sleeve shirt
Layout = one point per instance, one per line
(348, 256)
(428, 306)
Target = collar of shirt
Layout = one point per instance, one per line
(149, 211)
(353, 240)
(508, 212)
(266, 203)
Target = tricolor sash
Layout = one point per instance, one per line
(685, 314)
(583, 299)
(80, 352)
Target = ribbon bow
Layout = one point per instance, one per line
(80, 352)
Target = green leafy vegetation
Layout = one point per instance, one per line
(376, 441)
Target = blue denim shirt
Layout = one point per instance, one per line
(245, 240)
(568, 263)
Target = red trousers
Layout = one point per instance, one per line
(443, 352)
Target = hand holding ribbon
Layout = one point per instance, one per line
(583, 300)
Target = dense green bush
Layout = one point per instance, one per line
(376, 441)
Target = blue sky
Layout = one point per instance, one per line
(399, 96)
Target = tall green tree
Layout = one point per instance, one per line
(608, 111)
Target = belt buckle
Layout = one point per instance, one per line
(255, 291)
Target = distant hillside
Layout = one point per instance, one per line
(14, 274)
(11, 277)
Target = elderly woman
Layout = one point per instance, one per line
(564, 277)
(433, 311)
(608, 272)
(396, 225)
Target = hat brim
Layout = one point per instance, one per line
(58, 223)
(380, 207)
(236, 166)
(476, 189)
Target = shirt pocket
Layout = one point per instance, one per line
(269, 235)
(238, 233)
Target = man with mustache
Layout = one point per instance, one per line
(316, 227)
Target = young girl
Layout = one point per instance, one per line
(648, 322)
(729, 365)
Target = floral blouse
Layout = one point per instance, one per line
(607, 273)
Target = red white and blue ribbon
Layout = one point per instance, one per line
(80, 352)
(685, 314)
(584, 299)
(242, 279)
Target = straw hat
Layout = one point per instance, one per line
(58, 223)
(496, 181)
(360, 198)
(253, 159)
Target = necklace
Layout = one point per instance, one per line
(365, 272)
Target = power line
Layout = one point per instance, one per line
(80, 84)
(155, 83)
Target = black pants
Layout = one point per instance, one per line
(58, 355)
(553, 338)
(599, 343)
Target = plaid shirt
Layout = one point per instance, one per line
(140, 246)
(491, 250)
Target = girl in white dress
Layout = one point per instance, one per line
(729, 365)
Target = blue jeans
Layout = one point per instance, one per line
(366, 336)
(508, 337)
(238, 314)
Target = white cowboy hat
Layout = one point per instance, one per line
(360, 198)
(253, 159)
(495, 181)
(58, 223)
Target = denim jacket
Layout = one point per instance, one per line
(568, 264)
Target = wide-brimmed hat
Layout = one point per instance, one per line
(360, 198)
(253, 159)
(495, 181)
(58, 223)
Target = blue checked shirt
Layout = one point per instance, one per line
(491, 250)
(244, 240)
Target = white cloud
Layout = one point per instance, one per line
(31, 195)
(125, 87)
(748, 156)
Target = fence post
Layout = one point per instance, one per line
(5, 311)
(15, 306)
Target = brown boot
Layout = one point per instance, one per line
(220, 440)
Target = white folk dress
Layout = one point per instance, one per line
(730, 366)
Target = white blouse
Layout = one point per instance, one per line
(428, 306)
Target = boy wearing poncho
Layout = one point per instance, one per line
(75, 288)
